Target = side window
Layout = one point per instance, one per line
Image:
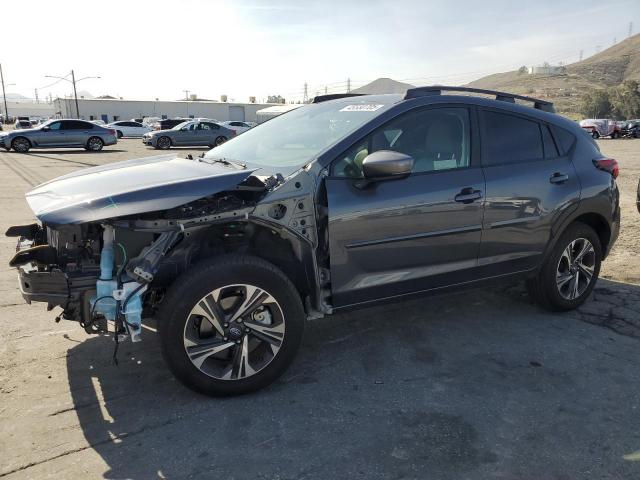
(55, 125)
(204, 126)
(436, 138)
(509, 139)
(550, 149)
(76, 125)
(212, 126)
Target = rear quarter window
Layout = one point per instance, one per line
(564, 139)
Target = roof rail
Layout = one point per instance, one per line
(501, 96)
(334, 96)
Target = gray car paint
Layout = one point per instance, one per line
(127, 188)
(40, 137)
(184, 138)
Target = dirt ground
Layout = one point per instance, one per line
(624, 262)
(480, 384)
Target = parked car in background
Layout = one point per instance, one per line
(168, 123)
(102, 123)
(238, 127)
(22, 124)
(631, 129)
(129, 128)
(336, 205)
(601, 127)
(191, 134)
(59, 133)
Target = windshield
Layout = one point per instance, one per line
(298, 136)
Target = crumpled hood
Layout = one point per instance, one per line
(130, 187)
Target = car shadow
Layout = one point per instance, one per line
(481, 383)
(64, 151)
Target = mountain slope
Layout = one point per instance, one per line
(608, 68)
(383, 85)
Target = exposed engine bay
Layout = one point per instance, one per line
(110, 273)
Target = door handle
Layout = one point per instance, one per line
(468, 195)
(559, 177)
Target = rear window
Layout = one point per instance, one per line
(509, 139)
(550, 148)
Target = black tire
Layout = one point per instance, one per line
(595, 134)
(119, 134)
(21, 144)
(94, 144)
(176, 323)
(163, 143)
(219, 141)
(545, 287)
(614, 135)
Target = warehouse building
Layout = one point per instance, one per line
(111, 110)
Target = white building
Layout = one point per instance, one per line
(111, 110)
(24, 108)
(270, 112)
(547, 70)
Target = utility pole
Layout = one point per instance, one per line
(75, 93)
(306, 94)
(348, 85)
(36, 92)
(4, 97)
(73, 81)
(630, 28)
(581, 54)
(325, 89)
(186, 94)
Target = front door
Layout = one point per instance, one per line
(531, 182)
(418, 233)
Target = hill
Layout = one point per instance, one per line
(383, 85)
(608, 68)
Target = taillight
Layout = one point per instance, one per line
(112, 131)
(234, 133)
(608, 165)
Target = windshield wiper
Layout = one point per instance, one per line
(224, 161)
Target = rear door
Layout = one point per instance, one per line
(530, 184)
(417, 233)
(77, 132)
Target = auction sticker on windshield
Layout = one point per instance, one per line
(367, 107)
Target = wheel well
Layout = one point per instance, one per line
(600, 225)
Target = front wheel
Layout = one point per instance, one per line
(163, 143)
(20, 144)
(231, 325)
(570, 272)
(94, 144)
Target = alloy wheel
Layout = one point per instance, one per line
(21, 145)
(234, 332)
(95, 144)
(575, 268)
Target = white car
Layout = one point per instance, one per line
(128, 128)
(239, 127)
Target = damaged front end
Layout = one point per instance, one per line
(112, 239)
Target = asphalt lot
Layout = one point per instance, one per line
(481, 384)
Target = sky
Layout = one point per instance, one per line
(144, 49)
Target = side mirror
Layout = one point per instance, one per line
(386, 165)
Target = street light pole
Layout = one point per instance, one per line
(4, 97)
(73, 81)
(75, 93)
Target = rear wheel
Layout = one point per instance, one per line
(614, 135)
(595, 134)
(21, 144)
(163, 143)
(94, 144)
(570, 272)
(231, 325)
(119, 133)
(219, 141)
